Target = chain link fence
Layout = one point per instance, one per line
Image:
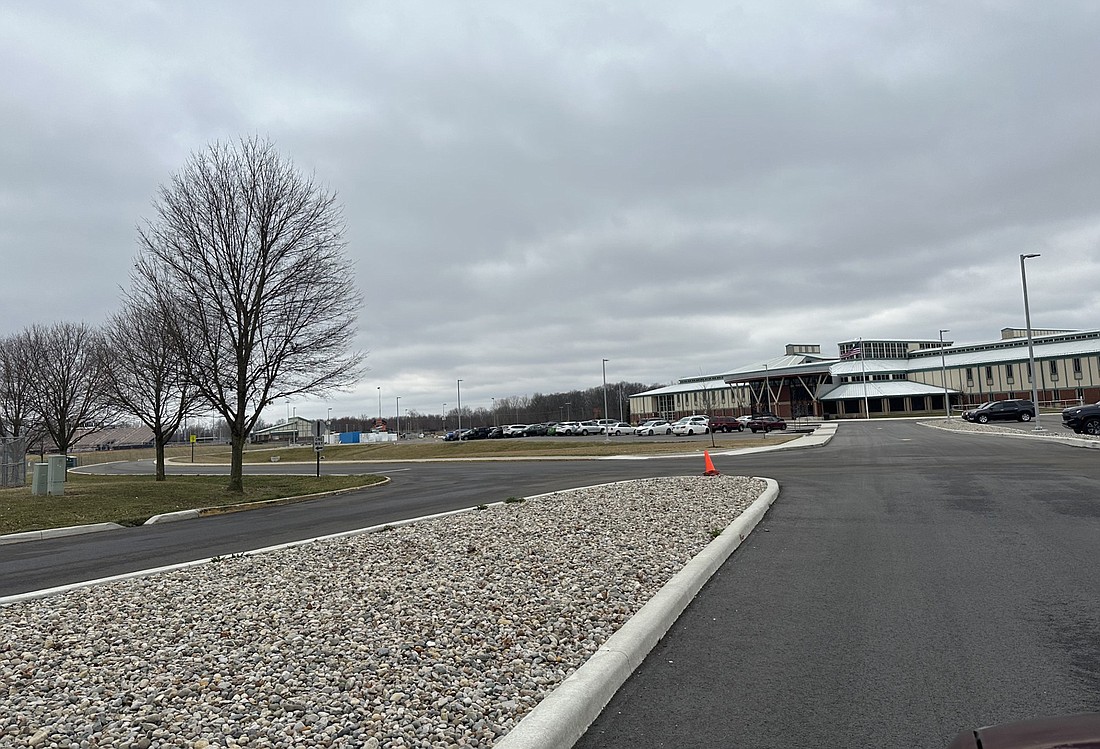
(13, 462)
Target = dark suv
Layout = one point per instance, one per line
(1082, 419)
(725, 424)
(1010, 410)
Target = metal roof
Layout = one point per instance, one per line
(686, 387)
(884, 389)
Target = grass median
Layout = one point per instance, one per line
(527, 447)
(131, 500)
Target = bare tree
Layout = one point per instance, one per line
(255, 251)
(68, 390)
(17, 418)
(147, 369)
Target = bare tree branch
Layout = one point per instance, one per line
(254, 251)
(68, 390)
(148, 374)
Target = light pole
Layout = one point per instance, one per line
(328, 420)
(568, 412)
(494, 411)
(444, 417)
(1030, 343)
(460, 405)
(943, 374)
(398, 418)
(607, 431)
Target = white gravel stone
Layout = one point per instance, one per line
(441, 633)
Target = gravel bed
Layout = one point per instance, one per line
(436, 634)
(1055, 430)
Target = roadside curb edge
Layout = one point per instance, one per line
(565, 714)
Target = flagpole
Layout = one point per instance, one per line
(863, 364)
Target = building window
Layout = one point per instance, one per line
(989, 375)
(969, 375)
(1077, 373)
(1053, 366)
(1008, 374)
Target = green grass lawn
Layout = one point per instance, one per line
(526, 447)
(131, 500)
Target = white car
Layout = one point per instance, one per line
(589, 427)
(566, 428)
(652, 427)
(618, 428)
(515, 430)
(691, 425)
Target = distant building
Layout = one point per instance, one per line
(293, 430)
(875, 377)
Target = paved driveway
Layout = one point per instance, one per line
(912, 583)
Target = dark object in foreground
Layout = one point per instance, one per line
(1080, 731)
(1083, 419)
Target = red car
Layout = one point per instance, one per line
(766, 424)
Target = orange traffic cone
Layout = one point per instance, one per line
(709, 465)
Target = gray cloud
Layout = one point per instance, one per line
(530, 188)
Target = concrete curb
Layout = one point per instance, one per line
(819, 438)
(171, 517)
(72, 530)
(565, 714)
(1088, 443)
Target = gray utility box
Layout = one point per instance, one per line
(39, 479)
(55, 483)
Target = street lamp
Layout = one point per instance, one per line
(398, 418)
(460, 405)
(568, 412)
(444, 419)
(328, 420)
(379, 405)
(606, 430)
(943, 374)
(494, 411)
(1030, 343)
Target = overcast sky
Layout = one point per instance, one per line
(532, 187)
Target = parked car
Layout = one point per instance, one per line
(651, 427)
(726, 424)
(496, 433)
(454, 435)
(515, 430)
(566, 428)
(535, 430)
(477, 433)
(1082, 419)
(586, 428)
(1008, 410)
(968, 415)
(619, 428)
(690, 425)
(766, 424)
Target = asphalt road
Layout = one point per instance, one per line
(908, 583)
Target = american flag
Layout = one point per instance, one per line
(852, 353)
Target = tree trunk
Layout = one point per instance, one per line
(236, 467)
(158, 442)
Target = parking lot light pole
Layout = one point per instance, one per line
(398, 417)
(607, 432)
(444, 417)
(568, 412)
(459, 406)
(943, 374)
(1030, 343)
